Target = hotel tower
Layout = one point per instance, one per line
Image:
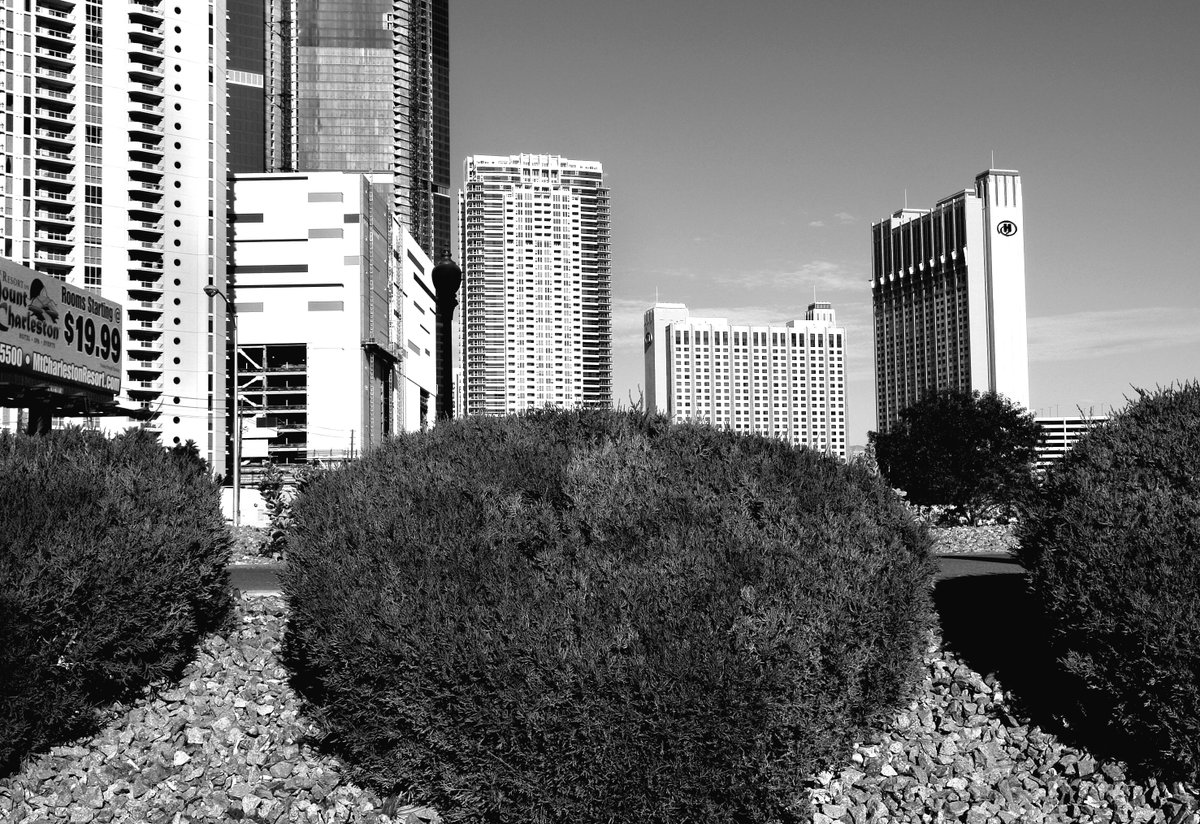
(948, 287)
(786, 381)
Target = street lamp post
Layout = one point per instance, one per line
(213, 292)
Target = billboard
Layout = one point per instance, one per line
(58, 333)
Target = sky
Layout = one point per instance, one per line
(750, 146)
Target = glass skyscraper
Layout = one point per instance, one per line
(347, 86)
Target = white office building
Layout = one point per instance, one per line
(536, 314)
(114, 180)
(787, 380)
(948, 285)
(335, 315)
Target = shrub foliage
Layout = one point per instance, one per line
(970, 450)
(1113, 552)
(597, 617)
(113, 565)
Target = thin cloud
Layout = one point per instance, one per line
(1109, 333)
(841, 218)
(826, 275)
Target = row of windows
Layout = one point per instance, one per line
(701, 337)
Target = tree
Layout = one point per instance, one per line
(970, 450)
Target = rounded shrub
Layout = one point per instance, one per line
(594, 616)
(112, 568)
(1112, 546)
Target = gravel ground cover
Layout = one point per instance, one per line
(962, 540)
(229, 743)
(247, 547)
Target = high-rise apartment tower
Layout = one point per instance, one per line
(948, 285)
(787, 381)
(536, 313)
(114, 180)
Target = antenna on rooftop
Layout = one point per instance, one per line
(993, 160)
(906, 198)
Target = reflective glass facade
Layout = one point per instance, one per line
(344, 85)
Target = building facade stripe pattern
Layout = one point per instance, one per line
(948, 288)
(786, 381)
(116, 183)
(536, 317)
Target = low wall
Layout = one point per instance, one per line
(254, 511)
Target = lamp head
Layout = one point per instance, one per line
(211, 291)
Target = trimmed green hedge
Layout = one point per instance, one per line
(113, 566)
(595, 617)
(1113, 553)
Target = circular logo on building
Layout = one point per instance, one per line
(1006, 228)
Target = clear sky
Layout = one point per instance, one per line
(749, 146)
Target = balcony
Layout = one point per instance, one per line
(54, 135)
(139, 130)
(145, 206)
(58, 197)
(53, 155)
(147, 108)
(149, 326)
(136, 345)
(150, 226)
(145, 12)
(44, 255)
(54, 14)
(154, 170)
(139, 48)
(146, 283)
(43, 236)
(140, 188)
(47, 216)
(145, 91)
(140, 71)
(145, 306)
(136, 385)
(54, 34)
(139, 265)
(54, 77)
(54, 116)
(55, 58)
(58, 180)
(140, 147)
(151, 33)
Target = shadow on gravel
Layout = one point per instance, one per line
(989, 622)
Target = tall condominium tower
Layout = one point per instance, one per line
(537, 303)
(347, 86)
(949, 297)
(787, 381)
(114, 180)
